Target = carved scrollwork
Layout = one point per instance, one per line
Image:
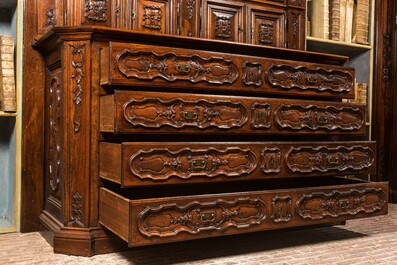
(319, 205)
(260, 115)
(96, 10)
(252, 73)
(270, 160)
(223, 26)
(77, 214)
(319, 79)
(297, 117)
(307, 159)
(55, 142)
(266, 33)
(171, 67)
(162, 163)
(171, 219)
(51, 17)
(281, 209)
(178, 113)
(190, 8)
(78, 76)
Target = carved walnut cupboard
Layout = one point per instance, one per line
(151, 137)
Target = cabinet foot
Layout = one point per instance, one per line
(79, 241)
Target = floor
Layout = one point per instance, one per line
(364, 241)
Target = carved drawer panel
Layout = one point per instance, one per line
(146, 112)
(148, 163)
(237, 209)
(184, 69)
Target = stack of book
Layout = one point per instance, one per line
(360, 90)
(7, 76)
(340, 20)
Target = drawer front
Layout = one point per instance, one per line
(161, 220)
(182, 69)
(146, 112)
(140, 164)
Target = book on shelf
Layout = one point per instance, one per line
(360, 91)
(361, 22)
(348, 20)
(7, 75)
(319, 19)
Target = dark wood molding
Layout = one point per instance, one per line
(32, 125)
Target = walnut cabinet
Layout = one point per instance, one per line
(154, 138)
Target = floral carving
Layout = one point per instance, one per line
(96, 10)
(77, 214)
(77, 76)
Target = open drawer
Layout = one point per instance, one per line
(213, 210)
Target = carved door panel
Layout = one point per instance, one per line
(95, 12)
(296, 29)
(189, 18)
(152, 16)
(224, 20)
(267, 26)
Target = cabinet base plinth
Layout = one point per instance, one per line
(79, 241)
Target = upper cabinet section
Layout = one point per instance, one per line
(277, 23)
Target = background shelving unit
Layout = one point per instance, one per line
(360, 58)
(10, 131)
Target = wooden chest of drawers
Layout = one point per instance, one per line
(193, 138)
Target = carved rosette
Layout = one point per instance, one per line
(96, 10)
(171, 219)
(178, 113)
(162, 163)
(152, 17)
(297, 117)
(78, 55)
(270, 160)
(281, 209)
(304, 78)
(77, 215)
(55, 141)
(260, 115)
(266, 33)
(307, 159)
(171, 67)
(252, 74)
(319, 205)
(223, 26)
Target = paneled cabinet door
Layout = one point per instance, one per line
(188, 12)
(224, 20)
(267, 25)
(151, 16)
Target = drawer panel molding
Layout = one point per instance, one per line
(195, 217)
(305, 78)
(319, 205)
(162, 163)
(312, 117)
(306, 159)
(148, 65)
(178, 113)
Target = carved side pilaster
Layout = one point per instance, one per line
(78, 76)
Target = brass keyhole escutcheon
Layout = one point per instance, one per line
(322, 119)
(198, 163)
(182, 68)
(190, 115)
(311, 80)
(207, 217)
(333, 160)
